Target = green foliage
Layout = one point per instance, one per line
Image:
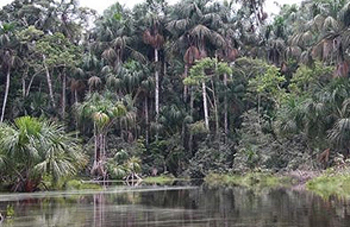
(198, 128)
(268, 82)
(33, 147)
(306, 79)
(206, 68)
(160, 180)
(167, 154)
(260, 148)
(235, 93)
(58, 50)
(211, 157)
(10, 211)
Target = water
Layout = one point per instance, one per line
(176, 207)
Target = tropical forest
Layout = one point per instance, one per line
(198, 89)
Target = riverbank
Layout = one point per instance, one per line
(331, 183)
(325, 184)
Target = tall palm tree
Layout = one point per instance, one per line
(153, 35)
(194, 26)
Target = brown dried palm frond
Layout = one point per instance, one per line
(232, 55)
(147, 37)
(342, 69)
(203, 54)
(158, 41)
(191, 55)
(324, 49)
(77, 85)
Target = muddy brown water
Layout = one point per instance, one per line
(173, 206)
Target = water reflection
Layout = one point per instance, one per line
(170, 207)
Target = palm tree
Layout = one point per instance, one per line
(104, 112)
(34, 147)
(153, 35)
(194, 26)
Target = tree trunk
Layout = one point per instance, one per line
(185, 86)
(157, 87)
(205, 106)
(7, 89)
(190, 140)
(216, 113)
(96, 150)
(30, 85)
(225, 108)
(75, 96)
(101, 147)
(23, 87)
(49, 82)
(64, 96)
(147, 121)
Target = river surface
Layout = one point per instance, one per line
(175, 206)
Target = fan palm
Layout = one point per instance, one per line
(34, 147)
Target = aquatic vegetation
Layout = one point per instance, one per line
(162, 180)
(329, 184)
(80, 185)
(252, 179)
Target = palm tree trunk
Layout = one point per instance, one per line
(157, 86)
(101, 147)
(225, 108)
(190, 140)
(76, 99)
(205, 106)
(96, 137)
(49, 82)
(7, 89)
(23, 87)
(185, 86)
(64, 87)
(147, 121)
(30, 85)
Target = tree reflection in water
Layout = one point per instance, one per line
(170, 207)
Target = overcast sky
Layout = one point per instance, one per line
(101, 5)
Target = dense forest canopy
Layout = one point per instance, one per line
(185, 89)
